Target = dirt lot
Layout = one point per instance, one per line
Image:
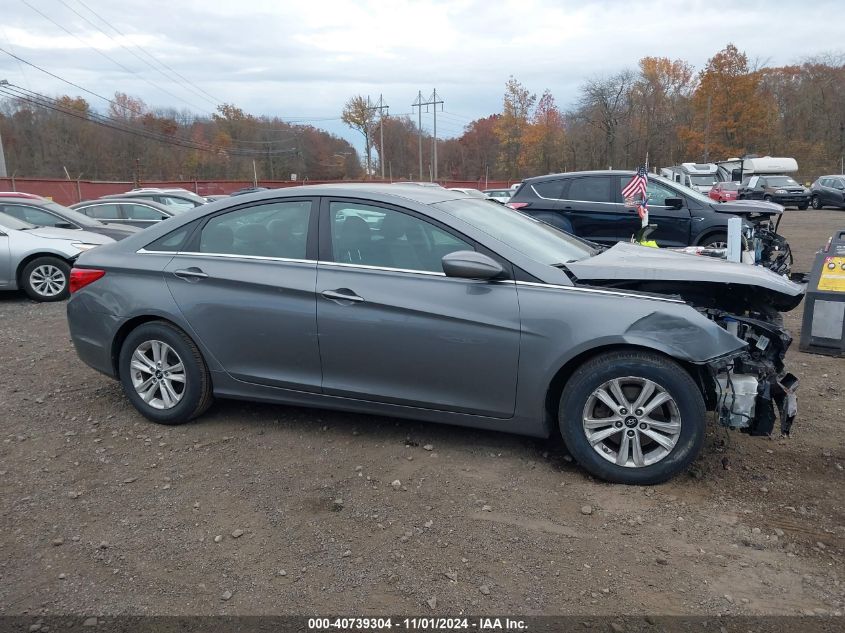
(104, 512)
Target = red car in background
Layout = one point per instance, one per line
(724, 191)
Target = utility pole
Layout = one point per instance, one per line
(381, 108)
(432, 101)
(3, 172)
(419, 104)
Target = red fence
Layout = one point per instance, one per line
(71, 191)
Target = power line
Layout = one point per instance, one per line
(28, 96)
(135, 111)
(111, 59)
(214, 99)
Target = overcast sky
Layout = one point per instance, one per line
(302, 59)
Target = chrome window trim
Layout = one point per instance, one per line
(250, 257)
(596, 291)
(382, 268)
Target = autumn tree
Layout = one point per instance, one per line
(731, 112)
(511, 125)
(543, 149)
(360, 116)
(660, 104)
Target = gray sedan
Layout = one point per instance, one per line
(406, 301)
(43, 212)
(128, 212)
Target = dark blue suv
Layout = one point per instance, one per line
(589, 204)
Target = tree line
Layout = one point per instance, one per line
(664, 109)
(65, 137)
(732, 107)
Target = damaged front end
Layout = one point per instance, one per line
(752, 389)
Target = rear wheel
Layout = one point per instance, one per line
(632, 417)
(46, 279)
(817, 204)
(163, 373)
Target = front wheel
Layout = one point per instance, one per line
(163, 373)
(816, 202)
(632, 417)
(803, 207)
(46, 279)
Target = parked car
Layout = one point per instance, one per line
(780, 189)
(133, 212)
(241, 192)
(175, 199)
(589, 204)
(724, 191)
(475, 193)
(38, 259)
(446, 309)
(828, 191)
(499, 195)
(42, 212)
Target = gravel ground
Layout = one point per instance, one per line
(259, 509)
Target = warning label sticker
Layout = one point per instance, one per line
(833, 275)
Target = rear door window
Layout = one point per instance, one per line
(590, 189)
(272, 229)
(142, 212)
(103, 211)
(551, 189)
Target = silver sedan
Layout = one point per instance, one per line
(38, 259)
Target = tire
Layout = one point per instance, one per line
(767, 198)
(660, 460)
(803, 207)
(46, 279)
(715, 240)
(816, 203)
(170, 397)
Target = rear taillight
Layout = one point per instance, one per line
(81, 277)
(516, 205)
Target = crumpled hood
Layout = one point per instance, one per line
(749, 207)
(626, 261)
(74, 235)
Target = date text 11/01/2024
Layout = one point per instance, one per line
(422, 624)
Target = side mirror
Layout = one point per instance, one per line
(674, 203)
(471, 265)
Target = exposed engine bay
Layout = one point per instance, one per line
(751, 389)
(753, 385)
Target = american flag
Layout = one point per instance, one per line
(642, 211)
(638, 184)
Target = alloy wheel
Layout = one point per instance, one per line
(158, 374)
(47, 280)
(632, 421)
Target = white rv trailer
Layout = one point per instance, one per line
(735, 169)
(698, 176)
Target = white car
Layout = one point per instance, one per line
(38, 259)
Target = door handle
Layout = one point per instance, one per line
(190, 274)
(336, 295)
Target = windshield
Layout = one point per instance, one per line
(689, 193)
(729, 186)
(535, 239)
(7, 221)
(781, 181)
(703, 180)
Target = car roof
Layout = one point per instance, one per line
(19, 195)
(414, 193)
(595, 172)
(141, 193)
(124, 200)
